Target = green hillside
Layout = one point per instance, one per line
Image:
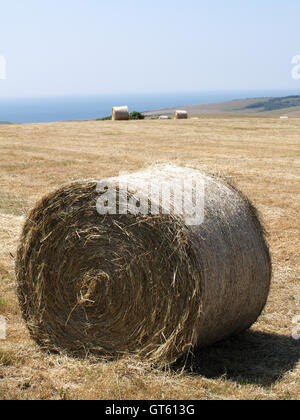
(273, 104)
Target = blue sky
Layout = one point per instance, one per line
(74, 47)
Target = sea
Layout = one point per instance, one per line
(52, 109)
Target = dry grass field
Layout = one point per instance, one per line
(263, 158)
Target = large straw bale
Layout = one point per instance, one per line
(154, 285)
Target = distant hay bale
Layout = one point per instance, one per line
(152, 285)
(181, 115)
(120, 113)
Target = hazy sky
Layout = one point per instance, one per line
(70, 47)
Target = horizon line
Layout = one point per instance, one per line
(200, 92)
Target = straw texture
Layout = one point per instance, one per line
(181, 115)
(152, 285)
(120, 113)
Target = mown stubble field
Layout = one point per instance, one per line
(263, 158)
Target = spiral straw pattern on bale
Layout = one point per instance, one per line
(110, 285)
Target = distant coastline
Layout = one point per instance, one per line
(258, 107)
(42, 110)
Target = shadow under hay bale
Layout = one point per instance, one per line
(251, 357)
(151, 284)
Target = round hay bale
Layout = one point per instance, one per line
(181, 115)
(147, 284)
(120, 113)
